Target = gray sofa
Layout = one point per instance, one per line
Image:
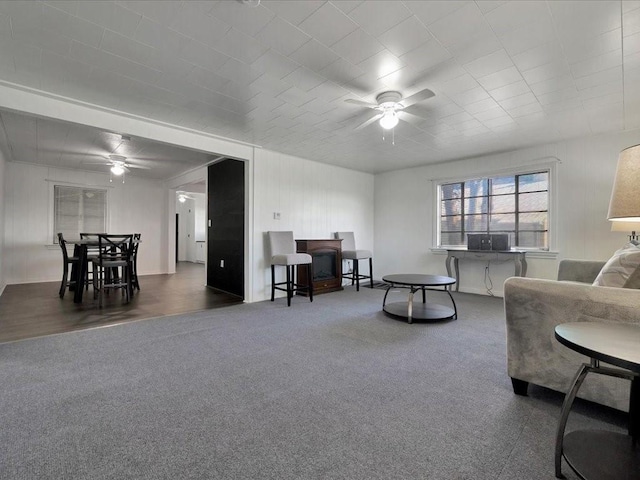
(533, 307)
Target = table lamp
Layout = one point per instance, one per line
(624, 206)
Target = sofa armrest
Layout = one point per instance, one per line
(584, 271)
(533, 308)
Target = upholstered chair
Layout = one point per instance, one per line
(349, 252)
(283, 253)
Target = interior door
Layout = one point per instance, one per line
(225, 230)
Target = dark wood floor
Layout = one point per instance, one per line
(35, 309)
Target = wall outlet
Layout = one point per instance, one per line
(276, 215)
(221, 263)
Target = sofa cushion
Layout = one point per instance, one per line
(622, 269)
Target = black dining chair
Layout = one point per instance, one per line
(112, 267)
(66, 261)
(134, 261)
(92, 252)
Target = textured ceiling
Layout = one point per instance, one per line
(506, 74)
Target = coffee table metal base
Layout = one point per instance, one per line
(420, 311)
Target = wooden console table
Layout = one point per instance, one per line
(326, 257)
(515, 256)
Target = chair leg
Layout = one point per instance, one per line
(356, 273)
(289, 292)
(310, 281)
(63, 284)
(353, 271)
(371, 272)
(273, 282)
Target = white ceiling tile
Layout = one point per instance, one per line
(559, 96)
(474, 46)
(293, 12)
(282, 36)
(199, 54)
(632, 44)
(491, 114)
(518, 101)
(109, 15)
(590, 19)
(122, 46)
(382, 64)
(274, 64)
(189, 23)
(379, 16)
(512, 15)
(584, 48)
(430, 12)
(248, 20)
(161, 12)
(526, 111)
(295, 96)
(631, 21)
(508, 91)
(460, 84)
(269, 85)
(72, 27)
(304, 79)
(451, 29)
(47, 40)
(470, 96)
(569, 104)
(605, 76)
(545, 72)
(328, 24)
(500, 78)
(240, 46)
(314, 55)
(613, 88)
(357, 47)
(548, 53)
(481, 106)
(347, 6)
(329, 91)
(499, 122)
(341, 72)
(489, 64)
(426, 56)
(597, 64)
(486, 6)
(406, 36)
(207, 79)
(528, 36)
(553, 84)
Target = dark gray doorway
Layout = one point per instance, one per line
(225, 230)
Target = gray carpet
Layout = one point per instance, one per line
(333, 389)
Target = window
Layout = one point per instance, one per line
(78, 209)
(514, 204)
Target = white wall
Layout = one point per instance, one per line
(314, 201)
(29, 256)
(3, 163)
(186, 231)
(404, 210)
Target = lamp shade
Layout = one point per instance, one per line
(625, 227)
(625, 198)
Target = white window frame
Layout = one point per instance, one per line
(548, 164)
(51, 234)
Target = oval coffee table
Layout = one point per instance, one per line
(421, 311)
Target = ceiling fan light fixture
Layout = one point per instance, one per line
(389, 120)
(117, 169)
(182, 198)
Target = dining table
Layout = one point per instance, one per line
(79, 270)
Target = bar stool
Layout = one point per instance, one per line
(283, 253)
(349, 252)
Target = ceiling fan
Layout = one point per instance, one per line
(118, 164)
(182, 196)
(390, 106)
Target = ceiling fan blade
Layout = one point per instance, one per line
(95, 163)
(417, 97)
(368, 122)
(360, 103)
(410, 117)
(138, 166)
